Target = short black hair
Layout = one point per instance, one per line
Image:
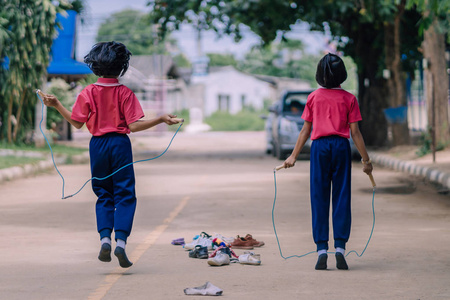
(331, 71)
(108, 59)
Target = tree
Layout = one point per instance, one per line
(284, 58)
(434, 26)
(131, 28)
(369, 31)
(27, 29)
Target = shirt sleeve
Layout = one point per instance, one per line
(307, 114)
(354, 114)
(132, 109)
(81, 109)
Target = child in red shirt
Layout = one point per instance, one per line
(110, 111)
(331, 113)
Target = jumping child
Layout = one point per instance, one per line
(330, 113)
(110, 111)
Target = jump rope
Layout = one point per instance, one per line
(39, 94)
(303, 255)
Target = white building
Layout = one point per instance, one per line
(227, 89)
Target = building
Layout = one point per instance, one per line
(227, 89)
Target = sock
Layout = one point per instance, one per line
(106, 240)
(320, 252)
(340, 250)
(208, 289)
(121, 243)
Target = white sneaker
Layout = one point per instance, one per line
(219, 259)
(250, 258)
(202, 241)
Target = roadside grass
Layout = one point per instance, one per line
(8, 161)
(13, 161)
(242, 121)
(57, 149)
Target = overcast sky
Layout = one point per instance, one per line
(98, 10)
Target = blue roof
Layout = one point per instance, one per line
(62, 62)
(68, 67)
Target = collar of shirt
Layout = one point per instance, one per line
(107, 82)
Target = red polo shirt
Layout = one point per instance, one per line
(107, 106)
(331, 111)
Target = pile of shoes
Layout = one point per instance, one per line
(221, 249)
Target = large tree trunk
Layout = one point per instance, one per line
(396, 83)
(371, 87)
(437, 85)
(372, 100)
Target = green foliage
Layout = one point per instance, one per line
(57, 148)
(62, 90)
(131, 28)
(181, 61)
(354, 25)
(13, 161)
(363, 30)
(432, 10)
(425, 143)
(89, 79)
(244, 120)
(285, 59)
(27, 29)
(351, 84)
(219, 60)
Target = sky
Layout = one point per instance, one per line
(98, 10)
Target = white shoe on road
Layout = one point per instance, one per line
(250, 258)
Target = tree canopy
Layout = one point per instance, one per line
(378, 35)
(132, 28)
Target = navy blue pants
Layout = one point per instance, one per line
(330, 175)
(116, 202)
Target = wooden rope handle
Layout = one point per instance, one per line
(372, 180)
(41, 94)
(279, 167)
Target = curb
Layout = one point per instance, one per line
(25, 170)
(429, 173)
(12, 173)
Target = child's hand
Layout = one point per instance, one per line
(368, 168)
(50, 100)
(170, 119)
(289, 162)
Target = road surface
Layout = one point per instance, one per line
(221, 183)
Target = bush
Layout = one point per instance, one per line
(246, 120)
(425, 144)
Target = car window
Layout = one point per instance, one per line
(294, 104)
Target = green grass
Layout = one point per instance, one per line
(57, 149)
(12, 161)
(242, 121)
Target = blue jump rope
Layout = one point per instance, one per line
(299, 256)
(96, 178)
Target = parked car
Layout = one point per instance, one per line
(283, 125)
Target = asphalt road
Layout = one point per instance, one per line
(221, 183)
